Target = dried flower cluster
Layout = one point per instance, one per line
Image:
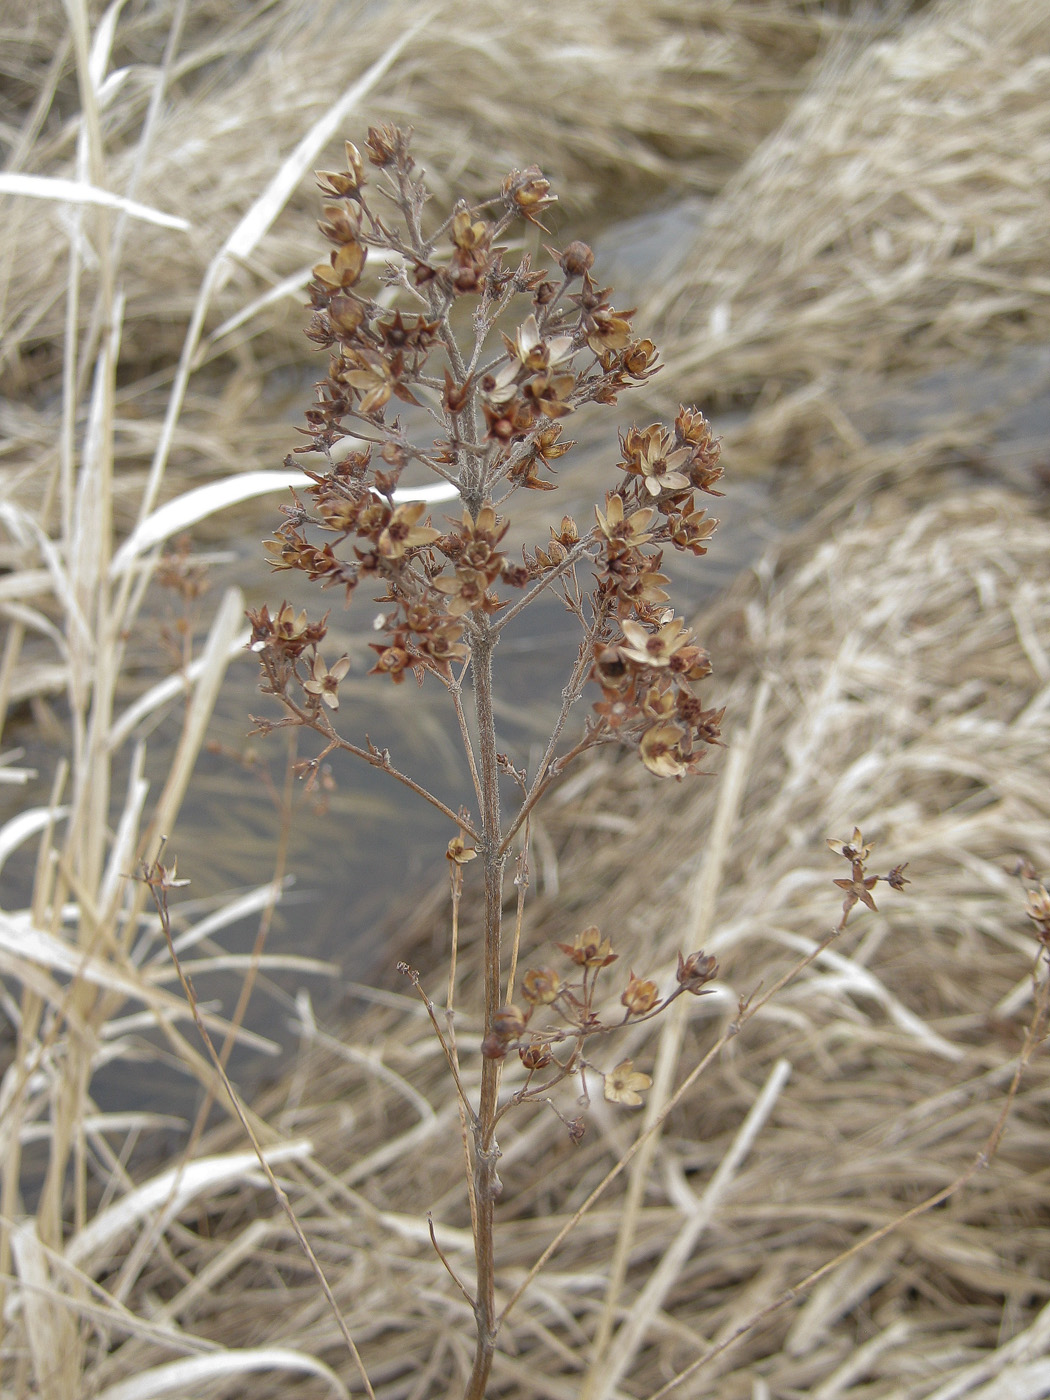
(859, 885)
(545, 994)
(495, 405)
(457, 365)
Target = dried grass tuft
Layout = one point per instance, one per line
(896, 219)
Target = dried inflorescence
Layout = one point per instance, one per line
(859, 885)
(559, 1016)
(461, 366)
(494, 355)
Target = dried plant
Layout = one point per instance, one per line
(491, 356)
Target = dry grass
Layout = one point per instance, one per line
(895, 220)
(894, 660)
(899, 1043)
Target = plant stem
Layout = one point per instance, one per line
(486, 1152)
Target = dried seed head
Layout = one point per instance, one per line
(639, 996)
(540, 986)
(589, 949)
(537, 1056)
(529, 192)
(508, 1022)
(382, 144)
(695, 971)
(1038, 911)
(577, 259)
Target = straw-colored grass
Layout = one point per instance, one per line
(674, 94)
(896, 677)
(895, 220)
(890, 668)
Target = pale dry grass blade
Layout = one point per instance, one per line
(164, 692)
(19, 829)
(76, 192)
(214, 658)
(230, 912)
(191, 507)
(175, 1376)
(121, 859)
(205, 501)
(28, 954)
(171, 1191)
(55, 1348)
(1030, 1344)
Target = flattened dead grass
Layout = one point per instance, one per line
(896, 219)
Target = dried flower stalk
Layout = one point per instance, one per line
(495, 356)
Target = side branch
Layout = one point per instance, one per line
(578, 552)
(376, 757)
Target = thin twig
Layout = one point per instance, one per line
(521, 880)
(378, 758)
(413, 977)
(441, 1255)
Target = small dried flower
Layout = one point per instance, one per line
(1038, 911)
(639, 996)
(459, 852)
(639, 359)
(857, 889)
(854, 848)
(537, 1056)
(403, 533)
(529, 191)
(895, 879)
(541, 986)
(651, 454)
(628, 530)
(695, 971)
(655, 649)
(661, 750)
(347, 264)
(325, 682)
(626, 1085)
(589, 949)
